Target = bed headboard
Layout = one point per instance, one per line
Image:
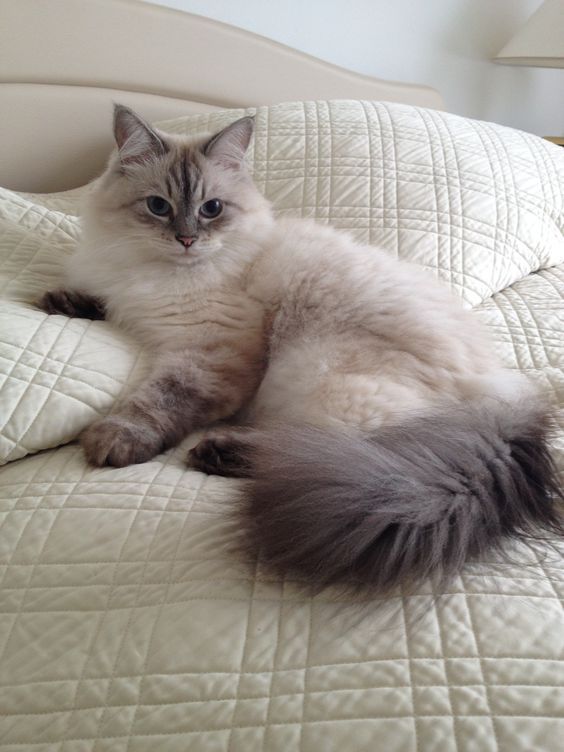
(63, 62)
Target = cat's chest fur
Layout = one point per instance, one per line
(170, 311)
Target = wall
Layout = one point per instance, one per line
(447, 44)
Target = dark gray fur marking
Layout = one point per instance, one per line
(73, 304)
(163, 412)
(417, 500)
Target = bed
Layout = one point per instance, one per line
(127, 622)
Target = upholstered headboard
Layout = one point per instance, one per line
(63, 62)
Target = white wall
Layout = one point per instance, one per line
(447, 44)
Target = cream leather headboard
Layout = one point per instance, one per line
(63, 62)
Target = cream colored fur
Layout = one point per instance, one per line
(334, 332)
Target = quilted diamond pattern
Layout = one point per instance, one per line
(527, 321)
(127, 624)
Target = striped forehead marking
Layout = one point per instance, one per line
(184, 177)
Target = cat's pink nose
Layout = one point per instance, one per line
(185, 240)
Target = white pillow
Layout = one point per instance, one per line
(56, 374)
(479, 204)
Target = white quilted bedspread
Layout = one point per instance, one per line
(127, 624)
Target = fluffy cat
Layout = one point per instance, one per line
(384, 441)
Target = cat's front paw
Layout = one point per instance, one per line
(73, 304)
(118, 442)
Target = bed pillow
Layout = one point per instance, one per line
(480, 205)
(56, 374)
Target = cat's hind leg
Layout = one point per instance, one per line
(224, 450)
(73, 304)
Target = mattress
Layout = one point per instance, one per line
(127, 622)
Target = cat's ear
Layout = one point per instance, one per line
(135, 138)
(229, 145)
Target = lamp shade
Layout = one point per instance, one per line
(540, 42)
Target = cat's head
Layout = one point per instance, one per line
(178, 199)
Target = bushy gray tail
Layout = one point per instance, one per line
(413, 501)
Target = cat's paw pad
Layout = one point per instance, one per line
(118, 442)
(71, 303)
(219, 455)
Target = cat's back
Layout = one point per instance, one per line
(328, 288)
(303, 257)
(316, 268)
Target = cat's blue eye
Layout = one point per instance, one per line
(211, 209)
(158, 206)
